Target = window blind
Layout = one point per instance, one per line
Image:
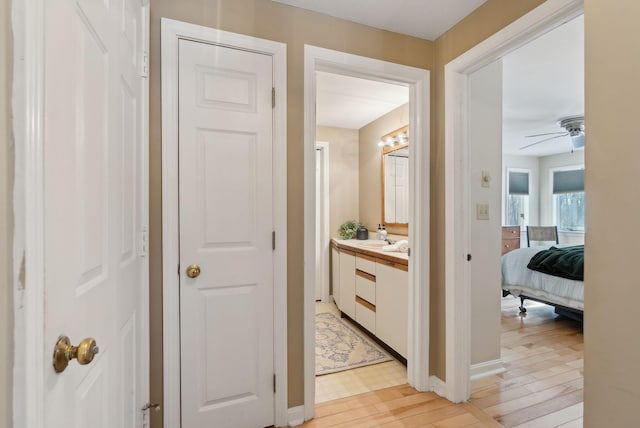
(518, 183)
(568, 181)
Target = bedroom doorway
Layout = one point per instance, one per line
(461, 178)
(417, 82)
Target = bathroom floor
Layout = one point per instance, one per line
(356, 381)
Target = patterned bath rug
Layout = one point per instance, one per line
(340, 346)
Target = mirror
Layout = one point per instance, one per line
(395, 177)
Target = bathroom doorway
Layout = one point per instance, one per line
(417, 83)
(353, 116)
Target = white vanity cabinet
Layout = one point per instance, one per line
(335, 274)
(347, 283)
(392, 306)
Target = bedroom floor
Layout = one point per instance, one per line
(542, 386)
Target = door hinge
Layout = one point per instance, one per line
(409, 252)
(468, 257)
(274, 383)
(178, 269)
(273, 240)
(145, 410)
(143, 240)
(273, 97)
(144, 64)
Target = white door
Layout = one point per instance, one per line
(226, 224)
(95, 210)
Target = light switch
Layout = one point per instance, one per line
(486, 179)
(482, 211)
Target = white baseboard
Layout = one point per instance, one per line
(295, 416)
(438, 386)
(485, 369)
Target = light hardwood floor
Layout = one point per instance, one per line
(541, 387)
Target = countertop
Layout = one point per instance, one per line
(354, 245)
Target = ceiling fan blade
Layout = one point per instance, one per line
(564, 134)
(542, 135)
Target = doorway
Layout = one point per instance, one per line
(417, 81)
(457, 176)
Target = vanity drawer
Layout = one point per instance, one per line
(366, 264)
(365, 287)
(366, 315)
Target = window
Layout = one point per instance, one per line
(568, 199)
(517, 212)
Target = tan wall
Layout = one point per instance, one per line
(611, 340)
(6, 216)
(371, 166)
(489, 18)
(343, 174)
(295, 27)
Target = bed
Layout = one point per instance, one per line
(566, 295)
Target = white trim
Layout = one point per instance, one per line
(486, 369)
(438, 386)
(417, 80)
(540, 20)
(295, 416)
(32, 31)
(145, 320)
(323, 146)
(171, 32)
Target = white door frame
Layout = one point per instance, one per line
(540, 20)
(172, 31)
(30, 359)
(417, 81)
(323, 146)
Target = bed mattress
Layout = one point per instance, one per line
(518, 279)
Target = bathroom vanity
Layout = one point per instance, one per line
(370, 286)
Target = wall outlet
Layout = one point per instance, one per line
(482, 211)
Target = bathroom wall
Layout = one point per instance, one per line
(343, 174)
(371, 166)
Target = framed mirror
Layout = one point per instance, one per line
(395, 177)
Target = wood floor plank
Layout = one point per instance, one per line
(541, 387)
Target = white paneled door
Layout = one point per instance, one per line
(95, 210)
(226, 223)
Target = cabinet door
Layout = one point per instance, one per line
(348, 283)
(392, 306)
(335, 275)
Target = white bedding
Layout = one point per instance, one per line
(519, 279)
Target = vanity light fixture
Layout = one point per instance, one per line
(395, 138)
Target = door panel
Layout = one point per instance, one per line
(94, 210)
(226, 222)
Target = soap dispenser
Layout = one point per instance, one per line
(383, 233)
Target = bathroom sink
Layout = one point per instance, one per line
(373, 244)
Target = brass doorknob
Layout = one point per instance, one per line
(193, 271)
(64, 352)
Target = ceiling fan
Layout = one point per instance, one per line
(574, 128)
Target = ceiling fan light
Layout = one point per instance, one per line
(578, 141)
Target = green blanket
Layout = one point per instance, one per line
(566, 262)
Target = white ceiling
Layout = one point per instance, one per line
(426, 19)
(351, 102)
(543, 81)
